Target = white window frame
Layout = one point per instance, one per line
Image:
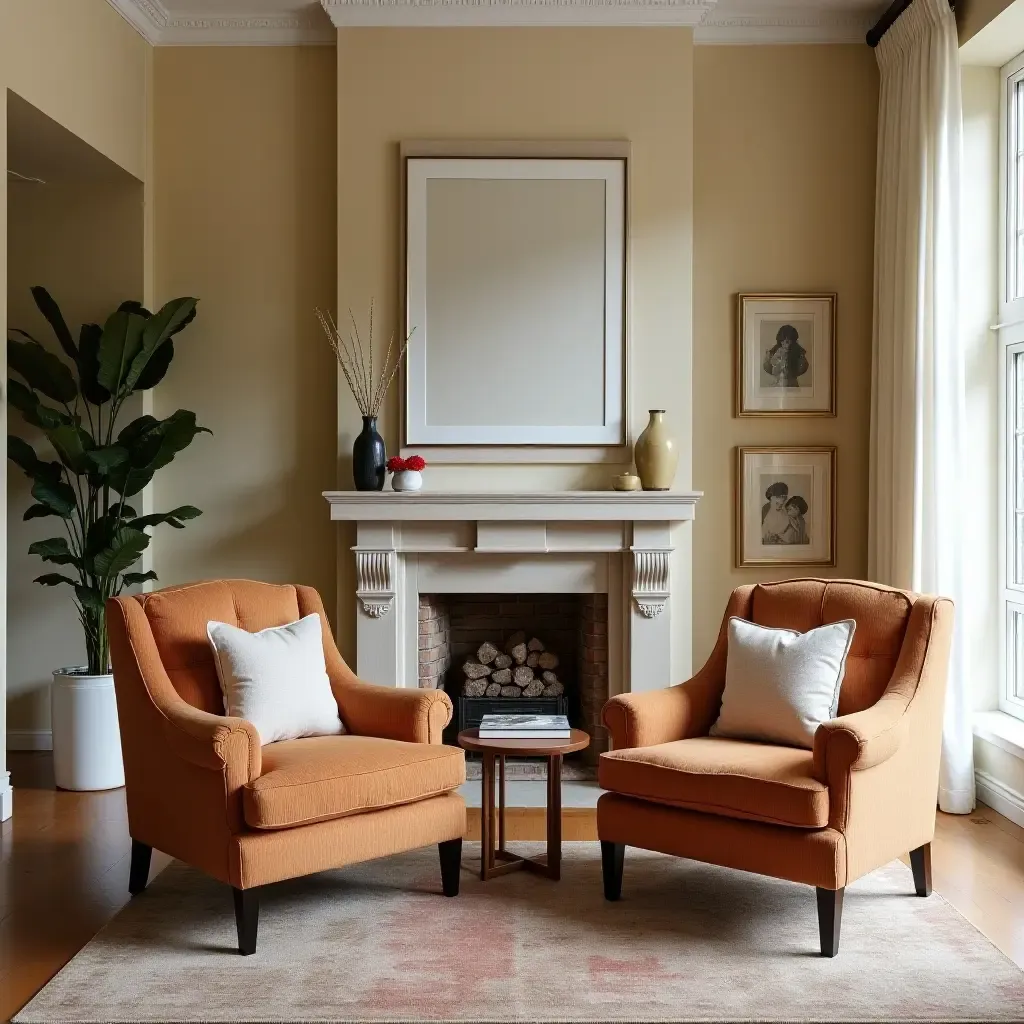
(1010, 336)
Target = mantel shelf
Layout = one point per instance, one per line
(564, 506)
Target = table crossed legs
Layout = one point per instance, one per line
(498, 860)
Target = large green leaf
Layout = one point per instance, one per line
(106, 459)
(134, 430)
(134, 306)
(41, 370)
(53, 579)
(90, 599)
(159, 328)
(157, 367)
(133, 579)
(72, 444)
(55, 550)
(124, 551)
(56, 495)
(49, 308)
(152, 446)
(23, 455)
(26, 401)
(89, 364)
(176, 518)
(120, 343)
(37, 512)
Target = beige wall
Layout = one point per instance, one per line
(84, 243)
(244, 171)
(784, 184)
(84, 66)
(523, 84)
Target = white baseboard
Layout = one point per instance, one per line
(1008, 802)
(6, 796)
(29, 739)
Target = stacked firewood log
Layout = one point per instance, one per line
(525, 668)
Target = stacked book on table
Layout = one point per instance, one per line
(524, 727)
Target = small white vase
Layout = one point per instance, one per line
(407, 480)
(86, 738)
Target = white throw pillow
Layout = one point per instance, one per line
(276, 678)
(780, 685)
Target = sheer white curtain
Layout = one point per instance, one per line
(917, 386)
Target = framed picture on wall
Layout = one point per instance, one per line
(786, 506)
(786, 355)
(515, 286)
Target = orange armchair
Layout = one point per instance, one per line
(864, 795)
(202, 789)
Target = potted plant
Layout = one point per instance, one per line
(407, 474)
(87, 486)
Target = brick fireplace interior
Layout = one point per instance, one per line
(452, 627)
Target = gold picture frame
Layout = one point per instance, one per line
(785, 354)
(799, 530)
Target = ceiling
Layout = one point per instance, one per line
(269, 22)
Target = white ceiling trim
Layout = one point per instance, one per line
(438, 13)
(756, 22)
(161, 28)
(742, 22)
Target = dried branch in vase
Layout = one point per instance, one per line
(355, 358)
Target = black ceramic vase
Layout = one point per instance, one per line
(369, 457)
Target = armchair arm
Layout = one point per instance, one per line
(214, 742)
(418, 716)
(679, 712)
(861, 740)
(660, 716)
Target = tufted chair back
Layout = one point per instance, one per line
(178, 618)
(881, 615)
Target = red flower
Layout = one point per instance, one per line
(396, 464)
(416, 462)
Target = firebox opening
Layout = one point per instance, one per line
(528, 653)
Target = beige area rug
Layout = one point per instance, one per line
(688, 942)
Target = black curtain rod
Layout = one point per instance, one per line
(888, 19)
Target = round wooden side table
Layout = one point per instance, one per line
(498, 861)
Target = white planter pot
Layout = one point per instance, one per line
(86, 739)
(407, 480)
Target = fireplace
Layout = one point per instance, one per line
(602, 577)
(569, 630)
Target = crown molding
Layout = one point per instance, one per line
(440, 13)
(753, 22)
(729, 23)
(161, 28)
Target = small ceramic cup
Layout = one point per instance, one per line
(626, 482)
(407, 480)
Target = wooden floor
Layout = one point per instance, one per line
(64, 860)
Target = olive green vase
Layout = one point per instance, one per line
(656, 454)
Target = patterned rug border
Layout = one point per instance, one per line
(540, 1019)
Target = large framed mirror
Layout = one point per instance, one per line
(515, 272)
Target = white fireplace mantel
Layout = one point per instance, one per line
(561, 506)
(615, 542)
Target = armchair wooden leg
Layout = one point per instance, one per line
(138, 873)
(612, 856)
(830, 917)
(921, 865)
(247, 918)
(451, 865)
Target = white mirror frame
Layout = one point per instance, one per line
(418, 171)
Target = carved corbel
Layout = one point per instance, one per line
(375, 581)
(651, 580)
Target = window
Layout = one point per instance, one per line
(1011, 343)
